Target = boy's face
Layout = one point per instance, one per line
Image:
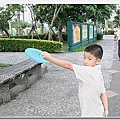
(90, 60)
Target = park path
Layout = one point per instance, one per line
(55, 95)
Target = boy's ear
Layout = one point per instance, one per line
(98, 61)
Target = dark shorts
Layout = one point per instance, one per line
(119, 48)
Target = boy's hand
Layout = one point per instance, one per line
(46, 55)
(105, 113)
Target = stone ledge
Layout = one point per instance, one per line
(18, 78)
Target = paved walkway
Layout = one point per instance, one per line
(114, 91)
(56, 94)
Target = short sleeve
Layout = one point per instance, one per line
(118, 33)
(83, 73)
(103, 90)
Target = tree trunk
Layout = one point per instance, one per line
(32, 11)
(32, 31)
(41, 27)
(3, 29)
(10, 27)
(23, 15)
(60, 33)
(106, 25)
(50, 33)
(18, 20)
(45, 36)
(56, 11)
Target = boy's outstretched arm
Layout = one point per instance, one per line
(105, 104)
(61, 63)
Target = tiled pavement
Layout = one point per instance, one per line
(111, 94)
(114, 92)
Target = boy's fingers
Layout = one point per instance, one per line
(105, 114)
(44, 52)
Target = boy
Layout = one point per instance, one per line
(92, 93)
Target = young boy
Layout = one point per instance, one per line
(92, 93)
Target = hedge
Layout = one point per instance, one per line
(19, 45)
(99, 36)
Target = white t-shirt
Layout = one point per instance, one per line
(118, 34)
(91, 85)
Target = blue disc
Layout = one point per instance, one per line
(35, 54)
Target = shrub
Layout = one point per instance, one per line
(99, 36)
(19, 45)
(110, 32)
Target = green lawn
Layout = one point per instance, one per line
(3, 66)
(80, 49)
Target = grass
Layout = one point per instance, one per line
(80, 49)
(65, 47)
(3, 66)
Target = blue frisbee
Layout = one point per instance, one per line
(35, 55)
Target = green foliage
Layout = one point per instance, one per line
(110, 32)
(18, 45)
(74, 12)
(69, 12)
(102, 11)
(116, 20)
(7, 13)
(3, 66)
(14, 24)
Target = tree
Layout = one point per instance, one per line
(33, 8)
(7, 13)
(22, 23)
(72, 12)
(56, 11)
(53, 16)
(117, 18)
(82, 13)
(48, 14)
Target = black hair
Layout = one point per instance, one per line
(95, 50)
